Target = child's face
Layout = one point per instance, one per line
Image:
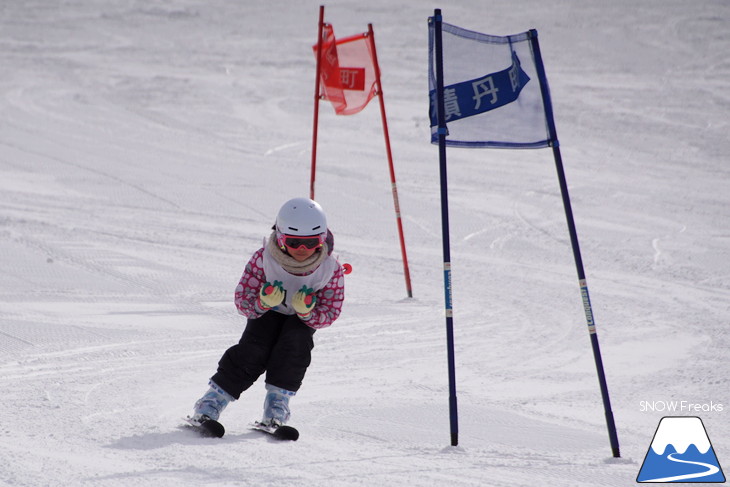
(302, 253)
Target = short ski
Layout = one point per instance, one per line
(208, 428)
(282, 432)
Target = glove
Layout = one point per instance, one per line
(271, 295)
(303, 301)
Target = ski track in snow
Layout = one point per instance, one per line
(145, 148)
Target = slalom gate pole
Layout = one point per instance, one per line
(406, 271)
(613, 436)
(316, 103)
(453, 414)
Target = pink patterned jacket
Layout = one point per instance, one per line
(324, 313)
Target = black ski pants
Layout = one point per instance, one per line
(280, 345)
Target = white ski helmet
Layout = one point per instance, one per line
(302, 217)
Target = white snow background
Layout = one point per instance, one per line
(146, 146)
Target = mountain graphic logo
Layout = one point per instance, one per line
(681, 452)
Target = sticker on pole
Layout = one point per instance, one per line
(681, 452)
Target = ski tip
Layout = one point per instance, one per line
(208, 428)
(283, 432)
(214, 428)
(287, 433)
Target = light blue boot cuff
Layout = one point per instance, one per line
(220, 391)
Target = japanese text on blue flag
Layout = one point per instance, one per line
(482, 94)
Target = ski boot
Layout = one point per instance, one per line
(212, 404)
(276, 405)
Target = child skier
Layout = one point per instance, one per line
(290, 288)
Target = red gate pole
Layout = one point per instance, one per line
(406, 272)
(316, 103)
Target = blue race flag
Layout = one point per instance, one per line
(492, 91)
(492, 96)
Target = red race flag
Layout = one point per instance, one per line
(347, 71)
(348, 76)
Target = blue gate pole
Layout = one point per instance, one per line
(610, 423)
(453, 414)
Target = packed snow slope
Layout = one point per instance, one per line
(145, 147)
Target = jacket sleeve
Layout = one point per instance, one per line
(247, 292)
(329, 302)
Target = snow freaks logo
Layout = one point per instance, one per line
(681, 452)
(680, 407)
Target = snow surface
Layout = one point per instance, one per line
(145, 147)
